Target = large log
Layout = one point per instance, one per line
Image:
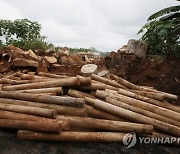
(95, 113)
(108, 124)
(72, 136)
(61, 109)
(141, 104)
(51, 75)
(65, 124)
(144, 112)
(43, 126)
(84, 80)
(106, 81)
(56, 90)
(79, 94)
(149, 100)
(124, 82)
(93, 86)
(153, 95)
(71, 81)
(43, 98)
(166, 95)
(136, 117)
(49, 113)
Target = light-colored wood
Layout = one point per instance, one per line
(72, 136)
(149, 100)
(108, 124)
(79, 94)
(106, 81)
(124, 82)
(43, 126)
(153, 95)
(61, 109)
(49, 113)
(143, 112)
(141, 104)
(56, 90)
(95, 113)
(61, 100)
(135, 117)
(71, 81)
(65, 124)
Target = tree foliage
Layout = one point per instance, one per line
(23, 33)
(162, 32)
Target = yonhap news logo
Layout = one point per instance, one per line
(130, 140)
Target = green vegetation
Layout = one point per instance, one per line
(22, 33)
(162, 32)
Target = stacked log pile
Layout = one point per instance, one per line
(86, 109)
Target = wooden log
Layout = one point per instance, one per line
(106, 85)
(149, 100)
(49, 113)
(13, 82)
(43, 98)
(166, 95)
(152, 95)
(79, 94)
(106, 81)
(84, 80)
(43, 126)
(72, 136)
(108, 124)
(143, 105)
(56, 90)
(135, 117)
(124, 82)
(71, 81)
(21, 116)
(51, 75)
(32, 77)
(65, 124)
(61, 109)
(144, 112)
(95, 113)
(93, 86)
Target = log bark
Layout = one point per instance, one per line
(56, 90)
(93, 86)
(69, 101)
(61, 109)
(152, 95)
(72, 136)
(108, 124)
(84, 80)
(149, 100)
(106, 81)
(49, 113)
(51, 75)
(143, 105)
(65, 124)
(166, 95)
(144, 112)
(124, 82)
(95, 113)
(79, 94)
(132, 116)
(71, 81)
(43, 126)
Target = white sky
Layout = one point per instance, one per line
(104, 24)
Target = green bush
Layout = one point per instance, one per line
(162, 32)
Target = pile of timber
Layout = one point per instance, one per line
(52, 107)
